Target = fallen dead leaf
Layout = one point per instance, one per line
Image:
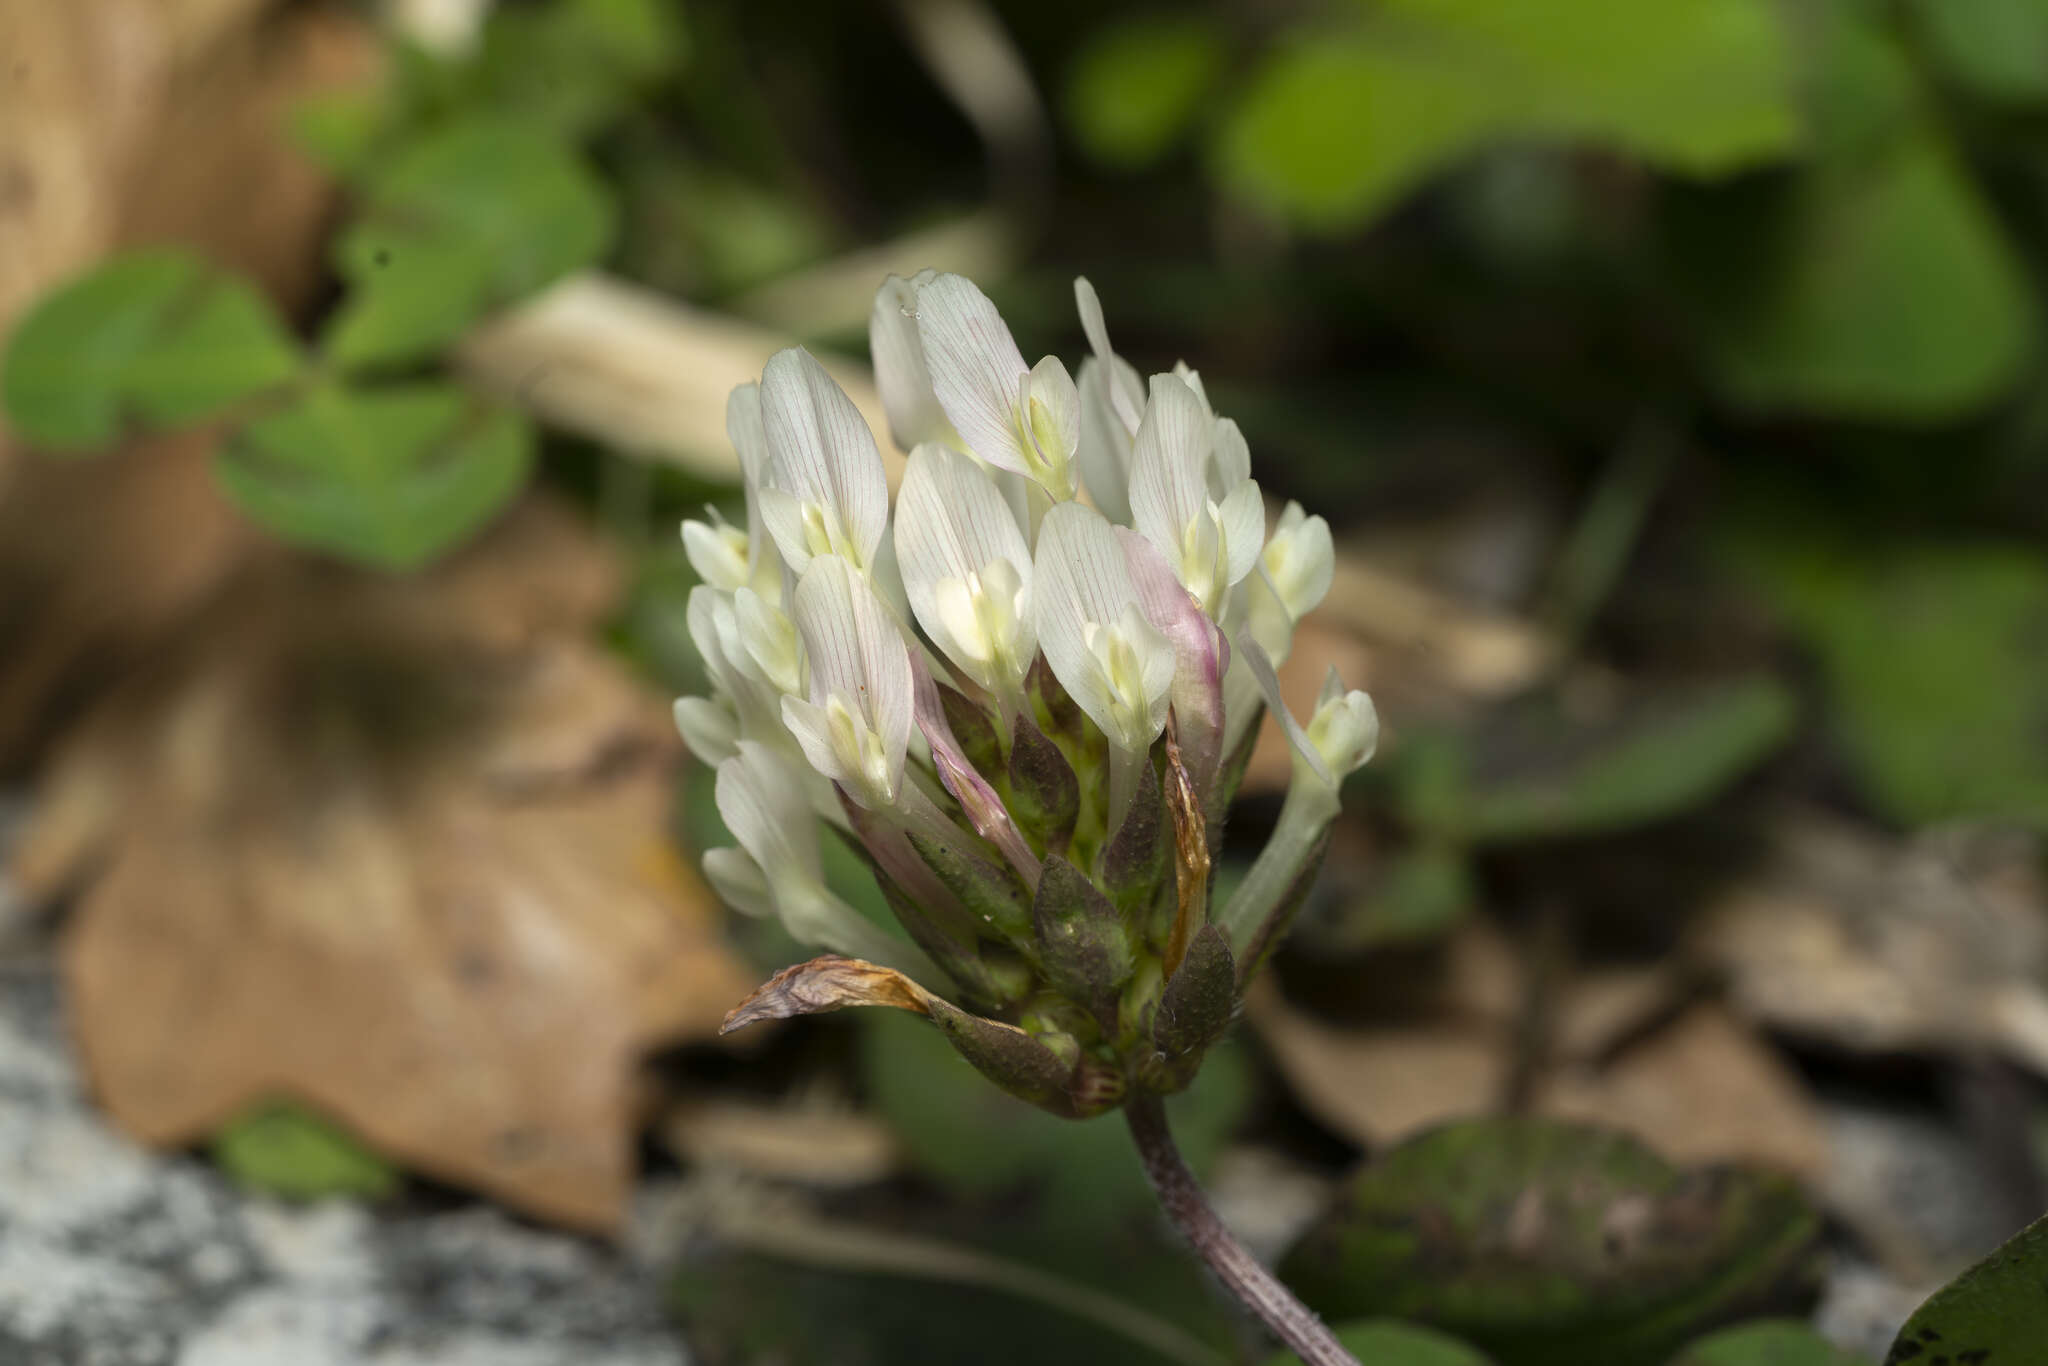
(397, 848)
(1624, 1049)
(1380, 1083)
(805, 1144)
(1702, 1089)
(1935, 943)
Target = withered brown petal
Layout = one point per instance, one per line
(825, 983)
(1191, 854)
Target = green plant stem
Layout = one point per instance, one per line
(1293, 1322)
(847, 1247)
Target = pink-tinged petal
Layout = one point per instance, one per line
(984, 808)
(1201, 657)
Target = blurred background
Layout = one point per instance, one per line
(1671, 374)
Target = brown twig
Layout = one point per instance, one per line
(1293, 1322)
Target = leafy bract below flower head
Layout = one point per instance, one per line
(1036, 755)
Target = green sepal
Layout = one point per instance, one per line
(988, 974)
(1134, 861)
(1060, 713)
(1083, 948)
(1045, 796)
(990, 891)
(1199, 999)
(973, 728)
(1022, 1064)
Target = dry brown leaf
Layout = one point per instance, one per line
(1934, 943)
(826, 983)
(1699, 1086)
(1702, 1089)
(1381, 1083)
(397, 847)
(804, 1144)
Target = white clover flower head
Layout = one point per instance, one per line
(1009, 687)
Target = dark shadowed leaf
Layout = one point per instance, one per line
(1933, 659)
(1997, 49)
(1546, 1243)
(1384, 1342)
(1769, 1343)
(1881, 286)
(1995, 1312)
(388, 478)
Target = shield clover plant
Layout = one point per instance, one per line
(1028, 695)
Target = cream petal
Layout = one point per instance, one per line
(952, 524)
(975, 368)
(857, 656)
(900, 372)
(823, 455)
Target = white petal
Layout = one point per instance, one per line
(824, 455)
(856, 653)
(710, 548)
(739, 882)
(975, 368)
(1051, 408)
(900, 371)
(744, 427)
(761, 799)
(708, 728)
(1242, 517)
(1122, 387)
(952, 525)
(1105, 451)
(1169, 480)
(1261, 666)
(1233, 456)
(1081, 586)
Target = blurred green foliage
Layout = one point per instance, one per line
(1766, 1343)
(1386, 1342)
(286, 1150)
(471, 190)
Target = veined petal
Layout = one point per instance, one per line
(1114, 664)
(975, 368)
(859, 709)
(1296, 569)
(900, 371)
(825, 459)
(1121, 384)
(953, 530)
(1169, 467)
(769, 637)
(761, 799)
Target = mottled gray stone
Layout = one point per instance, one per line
(114, 1256)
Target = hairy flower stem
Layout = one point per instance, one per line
(1293, 1322)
